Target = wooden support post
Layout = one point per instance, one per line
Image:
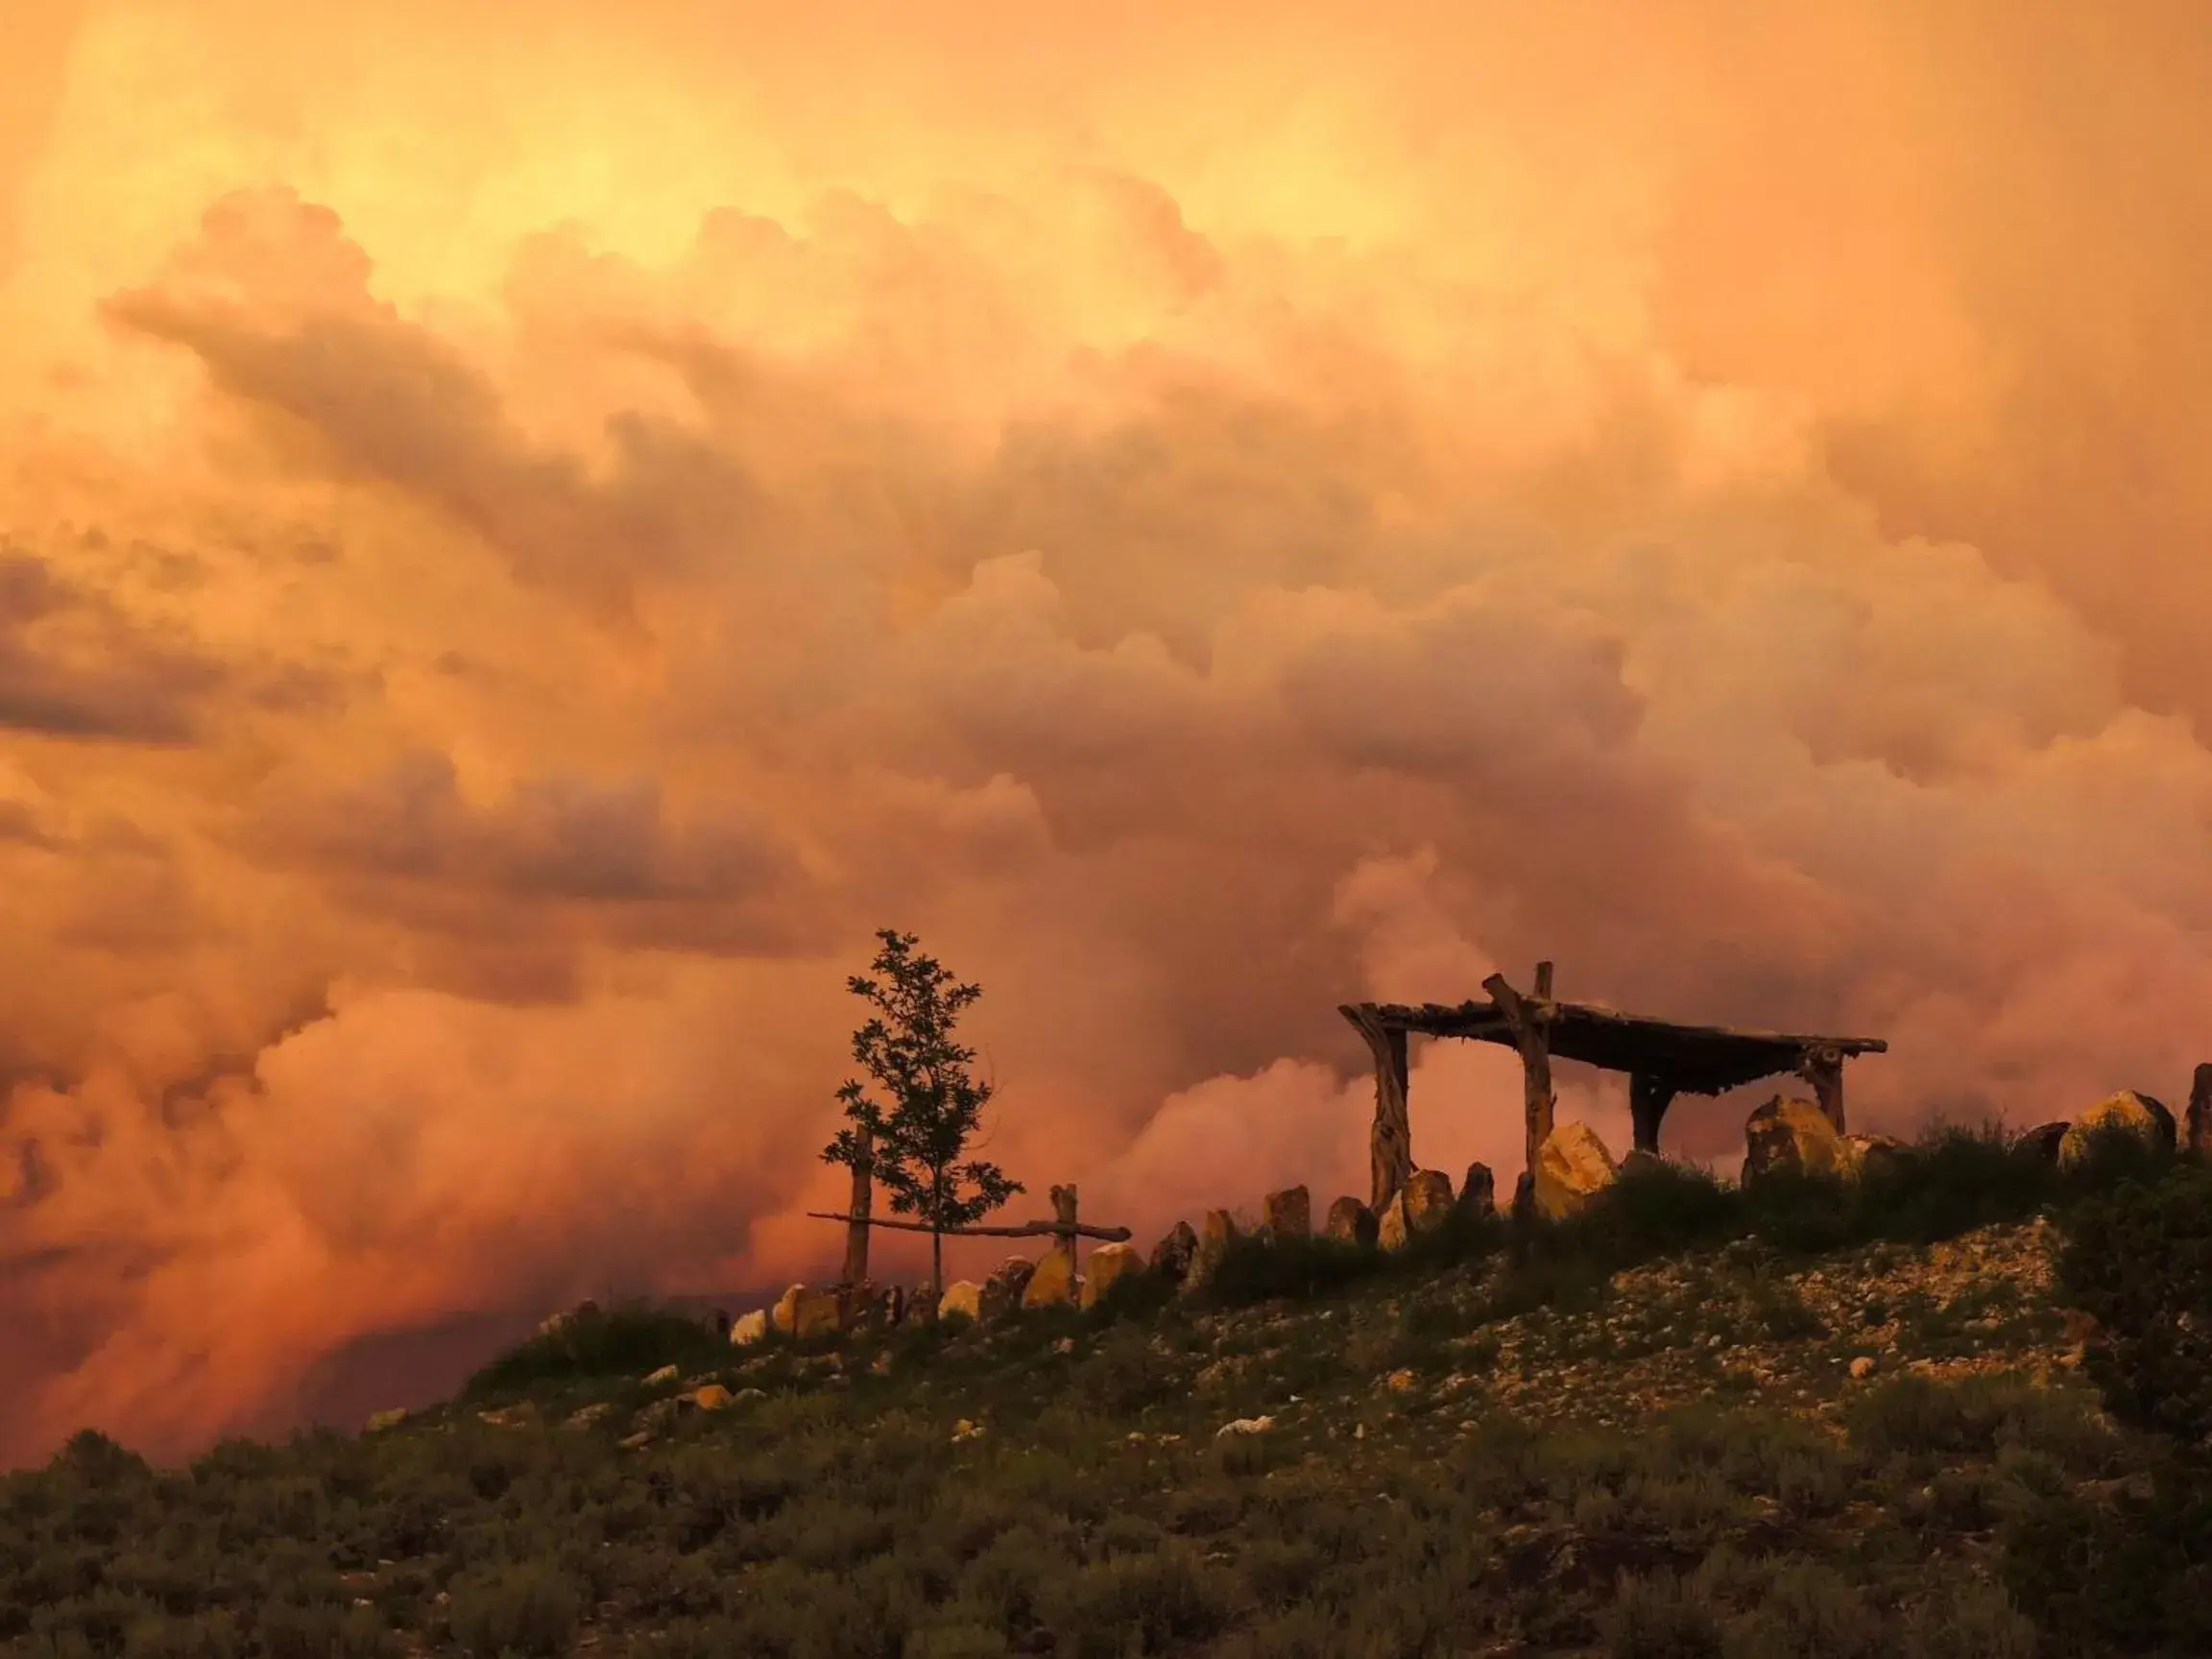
(863, 1201)
(1064, 1217)
(2198, 1122)
(1391, 1142)
(1823, 1067)
(1649, 1096)
(1530, 1026)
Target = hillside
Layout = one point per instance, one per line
(1827, 1421)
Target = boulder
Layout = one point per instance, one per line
(379, 1421)
(1287, 1214)
(962, 1296)
(1053, 1284)
(667, 1374)
(561, 1321)
(1524, 1195)
(1350, 1221)
(864, 1307)
(780, 1315)
(711, 1398)
(2042, 1143)
(1639, 1160)
(1391, 1228)
(1875, 1153)
(1572, 1167)
(1788, 1134)
(814, 1313)
(749, 1328)
(1109, 1265)
(1427, 1199)
(1220, 1231)
(922, 1305)
(1478, 1193)
(1003, 1289)
(2128, 1110)
(1172, 1256)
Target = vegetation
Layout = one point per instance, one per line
(1460, 1455)
(915, 1148)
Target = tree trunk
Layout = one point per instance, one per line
(863, 1201)
(937, 1263)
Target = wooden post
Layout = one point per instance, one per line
(1531, 1032)
(1823, 1067)
(1391, 1142)
(1649, 1096)
(2199, 1119)
(1064, 1216)
(863, 1201)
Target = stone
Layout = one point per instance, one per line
(1792, 1134)
(561, 1321)
(1053, 1284)
(379, 1421)
(962, 1296)
(1214, 1243)
(1350, 1221)
(1172, 1256)
(1876, 1154)
(711, 1398)
(584, 1417)
(667, 1374)
(1287, 1214)
(1573, 1167)
(1640, 1160)
(814, 1313)
(2042, 1143)
(2129, 1108)
(865, 1307)
(1427, 1200)
(1478, 1193)
(782, 1314)
(748, 1329)
(1004, 1288)
(1109, 1265)
(922, 1305)
(964, 1430)
(1245, 1425)
(1525, 1195)
(1863, 1367)
(636, 1442)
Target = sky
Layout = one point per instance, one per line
(530, 528)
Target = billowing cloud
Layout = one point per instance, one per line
(524, 539)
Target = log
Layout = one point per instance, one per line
(1391, 1142)
(1649, 1095)
(1531, 1036)
(1064, 1222)
(1028, 1230)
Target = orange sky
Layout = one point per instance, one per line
(528, 529)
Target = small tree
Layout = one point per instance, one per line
(914, 1148)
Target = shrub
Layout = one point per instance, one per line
(1656, 1617)
(2139, 1261)
(527, 1608)
(629, 1340)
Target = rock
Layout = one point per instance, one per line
(744, 1394)
(1065, 1345)
(522, 1416)
(1109, 1265)
(814, 1313)
(595, 1412)
(379, 1421)
(2042, 1143)
(780, 1315)
(1478, 1193)
(922, 1305)
(1401, 1381)
(1524, 1195)
(1427, 1200)
(1212, 1245)
(1172, 1256)
(562, 1321)
(1862, 1366)
(1874, 1154)
(2127, 1109)
(1789, 1134)
(1573, 1167)
(1053, 1284)
(866, 1306)
(964, 1430)
(749, 1328)
(1287, 1214)
(1003, 1290)
(667, 1374)
(636, 1442)
(1350, 1221)
(711, 1398)
(1245, 1425)
(962, 1296)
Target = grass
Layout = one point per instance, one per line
(1401, 1503)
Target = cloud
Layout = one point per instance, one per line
(499, 603)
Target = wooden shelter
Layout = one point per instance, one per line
(1663, 1059)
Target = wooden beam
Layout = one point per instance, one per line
(1532, 1036)
(1028, 1230)
(1649, 1096)
(1822, 1066)
(1064, 1222)
(1390, 1142)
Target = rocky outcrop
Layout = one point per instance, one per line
(1287, 1214)
(962, 1296)
(1053, 1284)
(1109, 1265)
(815, 1313)
(1350, 1221)
(2136, 1113)
(1172, 1256)
(1789, 1134)
(2042, 1143)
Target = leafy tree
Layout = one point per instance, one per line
(915, 1145)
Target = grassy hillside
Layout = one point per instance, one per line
(1810, 1420)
